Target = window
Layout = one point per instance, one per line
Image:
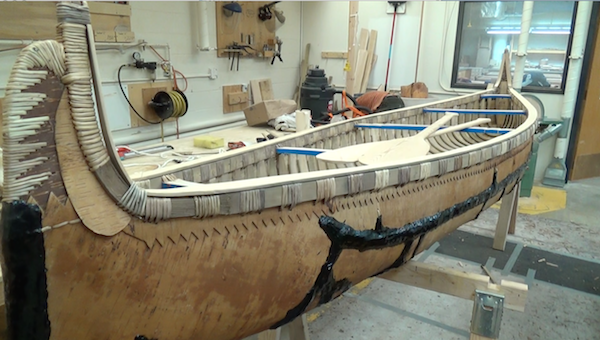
(486, 29)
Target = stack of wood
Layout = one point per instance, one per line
(361, 63)
(414, 90)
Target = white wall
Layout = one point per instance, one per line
(435, 59)
(170, 22)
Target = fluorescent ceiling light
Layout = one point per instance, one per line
(538, 31)
(499, 31)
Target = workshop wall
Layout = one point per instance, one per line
(436, 51)
(172, 23)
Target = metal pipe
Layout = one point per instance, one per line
(580, 32)
(522, 49)
(548, 132)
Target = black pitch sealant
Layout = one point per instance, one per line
(24, 272)
(343, 236)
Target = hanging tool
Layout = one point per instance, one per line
(236, 49)
(277, 52)
(387, 72)
(264, 12)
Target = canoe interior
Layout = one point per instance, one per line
(265, 161)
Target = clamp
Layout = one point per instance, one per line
(277, 52)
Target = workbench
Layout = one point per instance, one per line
(136, 166)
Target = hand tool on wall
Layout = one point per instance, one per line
(277, 52)
(234, 50)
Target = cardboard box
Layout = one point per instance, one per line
(264, 111)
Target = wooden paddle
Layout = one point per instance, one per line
(405, 148)
(351, 154)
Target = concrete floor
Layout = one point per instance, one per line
(387, 310)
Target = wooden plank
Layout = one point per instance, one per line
(513, 217)
(266, 89)
(227, 108)
(105, 22)
(357, 67)
(271, 334)
(506, 212)
(457, 283)
(139, 95)
(237, 98)
(352, 27)
(369, 64)
(255, 91)
(360, 70)
(37, 20)
(298, 329)
(27, 20)
(97, 7)
(334, 55)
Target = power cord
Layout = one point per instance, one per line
(130, 105)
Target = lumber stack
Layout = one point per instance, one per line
(362, 63)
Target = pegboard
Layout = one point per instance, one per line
(237, 27)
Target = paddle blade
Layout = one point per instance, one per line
(406, 149)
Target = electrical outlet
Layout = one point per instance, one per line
(213, 73)
(401, 9)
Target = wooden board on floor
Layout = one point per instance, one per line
(139, 96)
(229, 108)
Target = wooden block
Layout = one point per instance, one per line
(229, 108)
(104, 36)
(98, 7)
(457, 283)
(334, 55)
(125, 36)
(266, 89)
(237, 98)
(268, 54)
(139, 95)
(420, 90)
(406, 91)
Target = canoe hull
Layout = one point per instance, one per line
(233, 276)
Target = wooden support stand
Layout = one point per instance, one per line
(513, 295)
